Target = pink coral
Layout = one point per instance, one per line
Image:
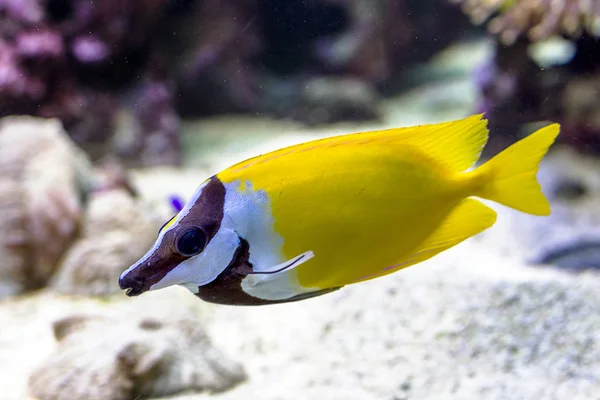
(539, 19)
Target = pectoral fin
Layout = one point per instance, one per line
(285, 266)
(278, 282)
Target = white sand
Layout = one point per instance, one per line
(472, 323)
(466, 325)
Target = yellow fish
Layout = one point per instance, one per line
(308, 219)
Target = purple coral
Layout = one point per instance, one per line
(74, 59)
(24, 11)
(42, 44)
(89, 49)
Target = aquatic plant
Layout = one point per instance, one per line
(537, 19)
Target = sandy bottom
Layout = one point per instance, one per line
(474, 322)
(467, 325)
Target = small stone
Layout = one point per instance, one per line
(569, 190)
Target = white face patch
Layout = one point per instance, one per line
(250, 212)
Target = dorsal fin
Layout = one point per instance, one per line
(457, 144)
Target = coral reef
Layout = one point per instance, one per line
(515, 89)
(371, 40)
(538, 19)
(70, 59)
(42, 175)
(117, 229)
(120, 76)
(128, 357)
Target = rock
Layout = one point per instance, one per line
(321, 100)
(131, 355)
(576, 256)
(117, 230)
(63, 215)
(569, 238)
(329, 100)
(42, 181)
(569, 190)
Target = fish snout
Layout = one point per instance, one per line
(147, 273)
(133, 284)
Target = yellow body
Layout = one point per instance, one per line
(372, 203)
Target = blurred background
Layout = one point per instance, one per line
(112, 112)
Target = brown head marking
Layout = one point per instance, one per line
(206, 213)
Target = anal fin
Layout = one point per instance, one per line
(469, 218)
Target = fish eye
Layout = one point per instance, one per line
(190, 242)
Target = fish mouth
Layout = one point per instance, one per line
(133, 286)
(138, 281)
(130, 292)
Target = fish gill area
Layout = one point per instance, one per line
(88, 173)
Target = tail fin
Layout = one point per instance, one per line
(510, 177)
